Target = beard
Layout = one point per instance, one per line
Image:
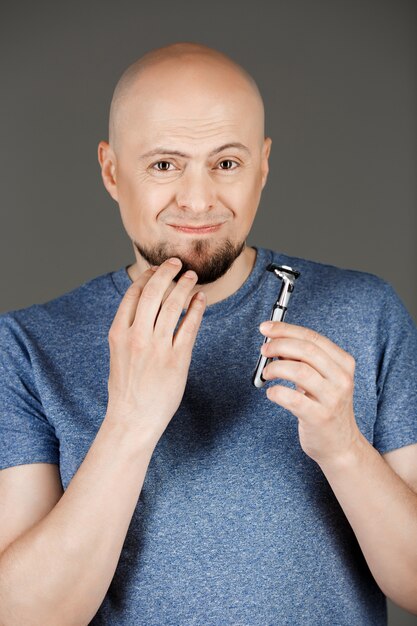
(208, 265)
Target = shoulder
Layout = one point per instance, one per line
(67, 312)
(317, 273)
(338, 285)
(358, 310)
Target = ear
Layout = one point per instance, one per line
(266, 149)
(107, 160)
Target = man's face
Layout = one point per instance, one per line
(207, 182)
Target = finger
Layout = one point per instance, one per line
(298, 404)
(305, 377)
(283, 329)
(309, 353)
(188, 328)
(170, 288)
(173, 306)
(127, 309)
(151, 297)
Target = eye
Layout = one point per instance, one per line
(164, 169)
(228, 161)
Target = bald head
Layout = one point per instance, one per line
(191, 69)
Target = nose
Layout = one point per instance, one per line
(196, 190)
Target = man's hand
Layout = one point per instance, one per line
(323, 399)
(148, 365)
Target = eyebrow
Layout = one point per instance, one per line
(225, 146)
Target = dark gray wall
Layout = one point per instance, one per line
(339, 83)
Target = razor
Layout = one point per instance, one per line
(288, 276)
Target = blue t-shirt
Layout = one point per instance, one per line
(235, 524)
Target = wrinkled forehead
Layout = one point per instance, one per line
(197, 100)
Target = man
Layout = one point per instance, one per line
(144, 479)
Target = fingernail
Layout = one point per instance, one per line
(265, 326)
(154, 267)
(174, 261)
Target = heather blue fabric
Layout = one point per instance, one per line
(235, 524)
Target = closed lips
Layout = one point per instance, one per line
(191, 226)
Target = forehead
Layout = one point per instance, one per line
(179, 122)
(194, 101)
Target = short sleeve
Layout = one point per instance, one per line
(396, 422)
(26, 436)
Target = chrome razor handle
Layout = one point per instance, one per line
(288, 277)
(278, 315)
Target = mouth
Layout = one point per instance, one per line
(200, 230)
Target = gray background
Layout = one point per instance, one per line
(339, 84)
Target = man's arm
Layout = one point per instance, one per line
(404, 463)
(380, 506)
(382, 510)
(60, 570)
